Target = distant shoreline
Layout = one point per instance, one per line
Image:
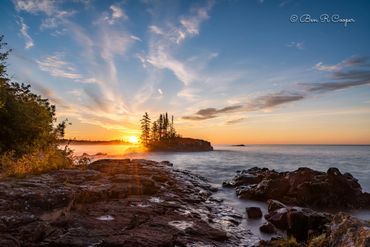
(97, 142)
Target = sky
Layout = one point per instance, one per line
(253, 71)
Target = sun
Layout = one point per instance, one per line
(133, 139)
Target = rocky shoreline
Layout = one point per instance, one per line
(117, 203)
(136, 202)
(309, 194)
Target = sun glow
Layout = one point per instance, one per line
(133, 139)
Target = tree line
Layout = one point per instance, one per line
(29, 132)
(160, 130)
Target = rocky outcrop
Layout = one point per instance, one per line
(116, 203)
(181, 144)
(298, 222)
(344, 231)
(303, 187)
(306, 227)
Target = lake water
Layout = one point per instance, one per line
(222, 163)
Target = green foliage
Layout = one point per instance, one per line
(145, 129)
(162, 130)
(27, 120)
(291, 242)
(28, 132)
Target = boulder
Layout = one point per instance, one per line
(253, 212)
(273, 205)
(304, 187)
(299, 222)
(268, 228)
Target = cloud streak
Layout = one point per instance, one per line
(24, 32)
(342, 78)
(235, 121)
(56, 66)
(208, 113)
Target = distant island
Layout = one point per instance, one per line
(238, 145)
(161, 135)
(92, 142)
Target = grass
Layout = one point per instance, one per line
(35, 163)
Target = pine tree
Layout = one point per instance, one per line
(145, 129)
(154, 133)
(160, 127)
(172, 129)
(165, 125)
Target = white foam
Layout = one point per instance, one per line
(181, 225)
(105, 218)
(155, 199)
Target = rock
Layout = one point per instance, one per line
(116, 203)
(268, 228)
(299, 222)
(304, 187)
(273, 205)
(303, 221)
(279, 218)
(254, 212)
(344, 231)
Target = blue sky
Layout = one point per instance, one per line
(230, 71)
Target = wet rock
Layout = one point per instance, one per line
(273, 205)
(116, 203)
(303, 187)
(254, 212)
(268, 228)
(344, 231)
(299, 222)
(279, 218)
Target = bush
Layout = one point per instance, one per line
(35, 163)
(27, 120)
(28, 131)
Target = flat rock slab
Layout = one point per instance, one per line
(117, 203)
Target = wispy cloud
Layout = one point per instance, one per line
(235, 121)
(24, 32)
(116, 14)
(190, 24)
(35, 6)
(156, 30)
(56, 66)
(296, 45)
(342, 78)
(274, 99)
(208, 113)
(350, 62)
(167, 37)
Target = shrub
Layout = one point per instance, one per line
(28, 131)
(27, 120)
(35, 163)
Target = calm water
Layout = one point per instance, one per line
(222, 163)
